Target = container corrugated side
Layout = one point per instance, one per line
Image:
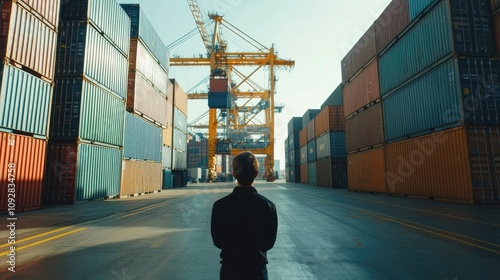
(331, 144)
(365, 129)
(143, 61)
(140, 177)
(363, 89)
(24, 158)
(167, 179)
(335, 99)
(180, 97)
(168, 135)
(294, 125)
(309, 115)
(25, 102)
(142, 28)
(180, 120)
(82, 50)
(294, 157)
(144, 99)
(179, 160)
(286, 145)
(417, 6)
(48, 10)
(310, 130)
(303, 137)
(142, 140)
(332, 172)
(366, 171)
(27, 41)
(180, 140)
(78, 172)
(105, 15)
(83, 110)
(331, 118)
(293, 141)
(303, 154)
(166, 157)
(312, 174)
(293, 174)
(304, 173)
(311, 151)
(360, 54)
(391, 23)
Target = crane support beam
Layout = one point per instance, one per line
(242, 59)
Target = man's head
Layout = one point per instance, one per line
(245, 168)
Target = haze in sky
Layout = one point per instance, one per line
(316, 34)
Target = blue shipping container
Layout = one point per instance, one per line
(82, 50)
(142, 140)
(417, 6)
(180, 140)
(295, 125)
(219, 100)
(294, 157)
(303, 155)
(180, 120)
(311, 151)
(293, 141)
(293, 174)
(331, 145)
(166, 157)
(312, 174)
(24, 102)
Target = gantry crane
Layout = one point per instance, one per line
(238, 119)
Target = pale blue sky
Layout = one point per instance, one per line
(316, 34)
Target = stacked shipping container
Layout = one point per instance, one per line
(27, 48)
(178, 133)
(292, 150)
(87, 117)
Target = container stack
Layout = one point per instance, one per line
(146, 106)
(441, 108)
(27, 49)
(292, 150)
(307, 142)
(87, 117)
(197, 153)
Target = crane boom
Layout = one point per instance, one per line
(198, 18)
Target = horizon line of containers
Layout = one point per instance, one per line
(87, 109)
(420, 94)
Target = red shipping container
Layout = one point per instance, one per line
(22, 161)
(304, 173)
(331, 118)
(365, 129)
(219, 85)
(362, 90)
(391, 22)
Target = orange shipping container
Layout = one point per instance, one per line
(365, 129)
(168, 135)
(366, 170)
(180, 97)
(170, 104)
(362, 90)
(331, 118)
(304, 174)
(456, 164)
(303, 137)
(140, 177)
(22, 161)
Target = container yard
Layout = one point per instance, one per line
(118, 129)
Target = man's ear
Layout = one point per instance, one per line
(256, 173)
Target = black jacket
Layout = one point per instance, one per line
(244, 226)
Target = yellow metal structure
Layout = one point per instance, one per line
(239, 118)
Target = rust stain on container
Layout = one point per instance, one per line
(365, 129)
(140, 177)
(366, 170)
(304, 173)
(23, 158)
(331, 118)
(303, 137)
(391, 22)
(362, 90)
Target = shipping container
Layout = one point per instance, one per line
(180, 97)
(362, 90)
(170, 104)
(24, 102)
(361, 53)
(303, 137)
(393, 20)
(303, 154)
(107, 16)
(331, 118)
(47, 10)
(293, 174)
(179, 160)
(366, 171)
(496, 27)
(26, 41)
(145, 100)
(139, 177)
(332, 172)
(416, 7)
(24, 158)
(450, 30)
(77, 172)
(219, 100)
(495, 5)
(304, 173)
(141, 28)
(310, 131)
(166, 157)
(457, 164)
(286, 145)
(365, 129)
(312, 174)
(142, 140)
(335, 99)
(331, 144)
(82, 110)
(180, 140)
(294, 125)
(179, 178)
(294, 141)
(82, 50)
(144, 62)
(458, 91)
(294, 157)
(219, 85)
(168, 135)
(167, 179)
(180, 120)
(309, 115)
(311, 151)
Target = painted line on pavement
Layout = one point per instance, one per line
(35, 236)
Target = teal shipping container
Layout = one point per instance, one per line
(417, 6)
(459, 91)
(166, 157)
(335, 99)
(303, 154)
(448, 29)
(142, 140)
(180, 120)
(312, 174)
(311, 151)
(141, 28)
(167, 179)
(331, 144)
(180, 140)
(24, 102)
(179, 160)
(82, 50)
(77, 172)
(107, 16)
(295, 125)
(81, 110)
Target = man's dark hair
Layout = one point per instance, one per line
(245, 168)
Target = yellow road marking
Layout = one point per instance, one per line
(42, 241)
(34, 236)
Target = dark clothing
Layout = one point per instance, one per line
(244, 227)
(243, 273)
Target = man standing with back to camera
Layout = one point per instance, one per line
(244, 225)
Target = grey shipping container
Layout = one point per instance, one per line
(294, 125)
(365, 129)
(311, 151)
(82, 110)
(82, 50)
(180, 120)
(335, 99)
(179, 160)
(105, 15)
(141, 28)
(332, 172)
(303, 154)
(77, 172)
(26, 40)
(450, 29)
(331, 144)
(166, 157)
(459, 91)
(312, 173)
(143, 61)
(142, 140)
(24, 102)
(294, 157)
(180, 140)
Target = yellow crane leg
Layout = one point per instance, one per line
(212, 135)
